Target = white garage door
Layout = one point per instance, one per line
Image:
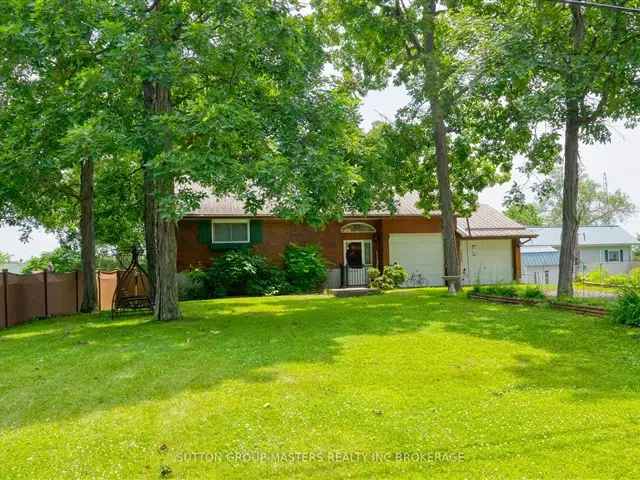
(420, 254)
(487, 261)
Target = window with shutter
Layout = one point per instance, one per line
(230, 231)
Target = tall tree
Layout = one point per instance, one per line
(595, 204)
(575, 68)
(525, 214)
(455, 129)
(52, 121)
(230, 95)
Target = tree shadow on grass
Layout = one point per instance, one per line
(593, 358)
(68, 367)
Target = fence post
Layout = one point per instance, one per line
(99, 291)
(77, 280)
(5, 288)
(45, 275)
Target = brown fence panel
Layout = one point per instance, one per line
(61, 293)
(3, 299)
(107, 282)
(26, 297)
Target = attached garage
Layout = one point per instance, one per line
(421, 254)
(487, 261)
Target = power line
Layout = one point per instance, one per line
(607, 6)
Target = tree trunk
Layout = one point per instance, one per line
(445, 196)
(451, 260)
(570, 225)
(150, 212)
(166, 306)
(157, 101)
(87, 238)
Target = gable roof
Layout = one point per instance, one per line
(485, 222)
(589, 235)
(230, 206)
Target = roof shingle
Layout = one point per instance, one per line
(484, 222)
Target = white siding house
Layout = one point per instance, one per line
(599, 247)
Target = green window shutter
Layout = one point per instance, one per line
(255, 231)
(204, 232)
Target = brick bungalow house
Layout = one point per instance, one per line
(489, 242)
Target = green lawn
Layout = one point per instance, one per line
(462, 388)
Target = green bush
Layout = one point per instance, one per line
(617, 280)
(533, 292)
(506, 290)
(627, 308)
(305, 268)
(373, 273)
(62, 259)
(396, 273)
(597, 276)
(634, 275)
(195, 285)
(242, 272)
(392, 277)
(510, 290)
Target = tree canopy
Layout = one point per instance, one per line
(570, 69)
(596, 205)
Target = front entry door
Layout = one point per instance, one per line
(358, 255)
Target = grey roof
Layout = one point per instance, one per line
(484, 222)
(525, 248)
(540, 259)
(592, 235)
(230, 206)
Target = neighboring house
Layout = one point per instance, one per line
(606, 247)
(489, 242)
(540, 265)
(12, 267)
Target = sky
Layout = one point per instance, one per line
(618, 159)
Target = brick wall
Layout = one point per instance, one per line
(276, 235)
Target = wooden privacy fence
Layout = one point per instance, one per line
(43, 294)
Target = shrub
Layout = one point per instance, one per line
(305, 267)
(627, 308)
(392, 277)
(634, 275)
(373, 273)
(498, 289)
(617, 280)
(533, 293)
(396, 273)
(241, 272)
(195, 286)
(506, 290)
(597, 276)
(382, 283)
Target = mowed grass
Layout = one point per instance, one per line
(411, 384)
